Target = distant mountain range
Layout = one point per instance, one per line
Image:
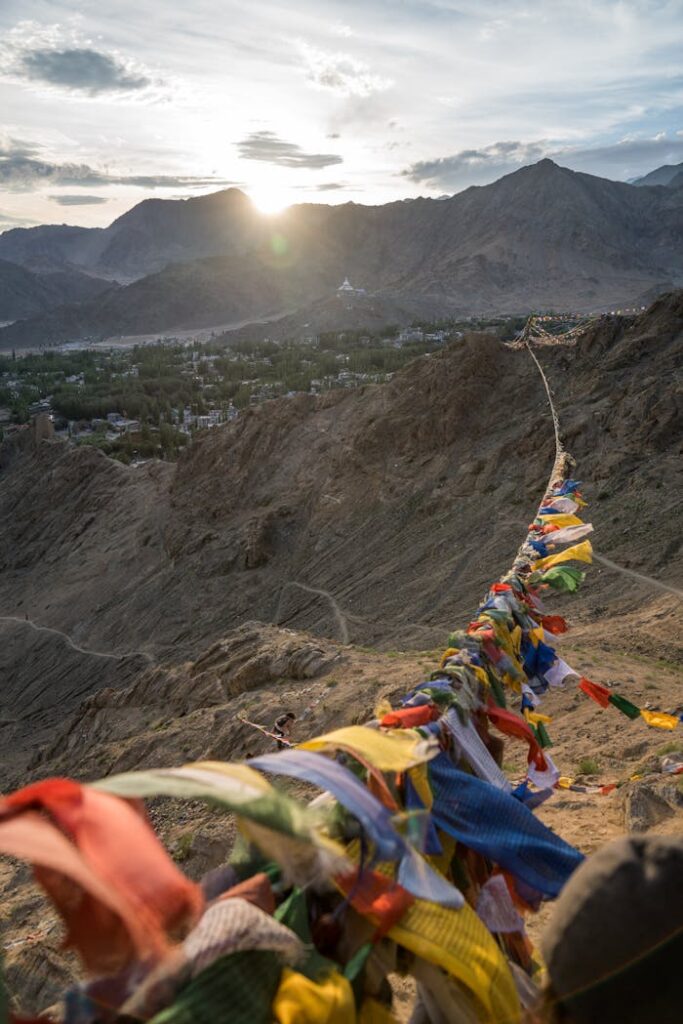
(670, 175)
(543, 237)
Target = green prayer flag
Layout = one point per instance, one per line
(543, 737)
(497, 691)
(625, 706)
(235, 989)
(561, 577)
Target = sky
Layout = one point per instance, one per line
(104, 103)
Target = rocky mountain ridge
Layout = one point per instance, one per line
(542, 237)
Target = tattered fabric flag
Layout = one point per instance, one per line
(410, 718)
(299, 1000)
(512, 725)
(130, 893)
(284, 829)
(625, 706)
(456, 940)
(600, 694)
(238, 989)
(559, 672)
(389, 752)
(659, 719)
(560, 519)
(496, 825)
(414, 873)
(582, 552)
(568, 487)
(561, 504)
(554, 624)
(569, 534)
(562, 577)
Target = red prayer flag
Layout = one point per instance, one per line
(554, 624)
(512, 725)
(600, 694)
(119, 892)
(410, 718)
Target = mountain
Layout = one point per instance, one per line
(24, 293)
(147, 238)
(543, 237)
(668, 174)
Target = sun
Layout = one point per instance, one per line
(270, 199)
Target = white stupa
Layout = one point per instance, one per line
(346, 286)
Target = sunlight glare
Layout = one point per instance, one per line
(270, 199)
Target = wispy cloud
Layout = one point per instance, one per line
(76, 200)
(341, 73)
(52, 57)
(475, 166)
(627, 158)
(23, 170)
(268, 147)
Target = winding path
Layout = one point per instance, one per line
(339, 616)
(70, 643)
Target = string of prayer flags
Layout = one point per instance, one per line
(604, 697)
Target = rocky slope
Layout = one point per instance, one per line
(543, 237)
(24, 293)
(376, 516)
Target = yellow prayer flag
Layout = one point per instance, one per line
(582, 552)
(535, 717)
(560, 519)
(299, 1000)
(460, 943)
(659, 719)
(388, 751)
(536, 635)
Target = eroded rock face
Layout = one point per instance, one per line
(649, 802)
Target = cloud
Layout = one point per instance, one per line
(266, 146)
(475, 166)
(77, 200)
(50, 57)
(340, 73)
(330, 186)
(623, 160)
(23, 170)
(80, 70)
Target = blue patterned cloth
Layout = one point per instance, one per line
(501, 828)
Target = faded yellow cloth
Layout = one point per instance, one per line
(480, 673)
(387, 751)
(535, 717)
(582, 552)
(372, 1012)
(561, 519)
(459, 942)
(299, 1000)
(536, 635)
(448, 653)
(659, 719)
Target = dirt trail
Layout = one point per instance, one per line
(339, 616)
(74, 646)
